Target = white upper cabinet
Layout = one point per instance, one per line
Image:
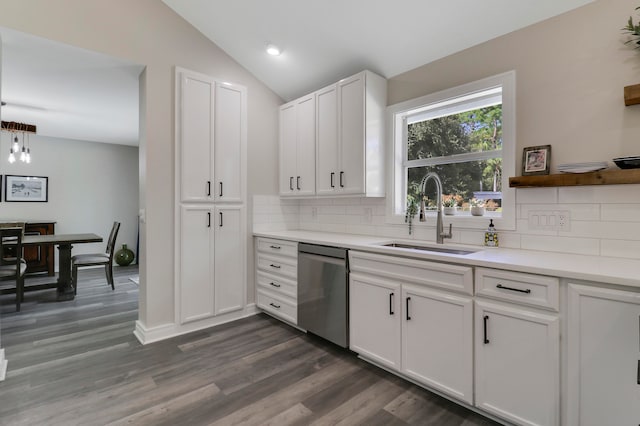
(297, 147)
(350, 149)
(211, 138)
(339, 149)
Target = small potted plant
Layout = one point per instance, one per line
(449, 204)
(477, 207)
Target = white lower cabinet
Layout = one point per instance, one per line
(277, 278)
(437, 340)
(374, 319)
(211, 281)
(517, 363)
(423, 332)
(603, 356)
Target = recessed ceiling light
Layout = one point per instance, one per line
(273, 50)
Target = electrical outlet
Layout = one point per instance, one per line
(550, 220)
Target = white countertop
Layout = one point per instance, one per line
(608, 270)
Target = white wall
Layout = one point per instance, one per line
(91, 185)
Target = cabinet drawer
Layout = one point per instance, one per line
(278, 265)
(441, 275)
(527, 289)
(279, 247)
(278, 285)
(277, 306)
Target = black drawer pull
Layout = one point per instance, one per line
(485, 320)
(275, 285)
(298, 183)
(275, 266)
(208, 219)
(391, 304)
(221, 189)
(276, 247)
(514, 289)
(208, 188)
(341, 176)
(275, 306)
(332, 175)
(291, 183)
(220, 218)
(407, 302)
(639, 371)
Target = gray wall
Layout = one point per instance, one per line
(90, 185)
(149, 33)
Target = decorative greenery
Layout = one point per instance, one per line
(451, 200)
(474, 202)
(412, 209)
(633, 30)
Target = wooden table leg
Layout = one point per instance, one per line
(65, 290)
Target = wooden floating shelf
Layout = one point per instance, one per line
(603, 177)
(632, 95)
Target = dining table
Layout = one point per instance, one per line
(65, 244)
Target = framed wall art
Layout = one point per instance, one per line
(26, 188)
(536, 160)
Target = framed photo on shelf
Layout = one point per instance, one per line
(26, 188)
(536, 160)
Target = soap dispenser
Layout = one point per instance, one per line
(491, 236)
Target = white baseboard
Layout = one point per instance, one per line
(3, 365)
(166, 331)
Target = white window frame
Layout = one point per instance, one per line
(397, 115)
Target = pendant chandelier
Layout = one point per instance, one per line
(15, 129)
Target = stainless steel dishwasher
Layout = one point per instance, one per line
(323, 292)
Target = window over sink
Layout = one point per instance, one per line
(466, 134)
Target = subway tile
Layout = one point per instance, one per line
(603, 194)
(577, 211)
(587, 246)
(604, 230)
(332, 210)
(471, 237)
(522, 227)
(621, 212)
(619, 248)
(536, 195)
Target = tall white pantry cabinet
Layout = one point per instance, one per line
(210, 197)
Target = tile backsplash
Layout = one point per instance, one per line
(604, 220)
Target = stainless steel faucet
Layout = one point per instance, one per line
(440, 235)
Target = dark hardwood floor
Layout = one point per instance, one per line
(78, 363)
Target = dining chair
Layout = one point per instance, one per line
(12, 265)
(96, 259)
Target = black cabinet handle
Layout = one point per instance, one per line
(220, 219)
(275, 285)
(275, 266)
(391, 304)
(275, 247)
(275, 306)
(341, 176)
(291, 183)
(208, 188)
(298, 183)
(407, 303)
(514, 289)
(639, 371)
(208, 219)
(332, 175)
(485, 320)
(221, 189)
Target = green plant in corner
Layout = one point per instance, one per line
(412, 209)
(633, 30)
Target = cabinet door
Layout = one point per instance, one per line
(196, 251)
(229, 265)
(196, 137)
(305, 179)
(517, 364)
(327, 176)
(374, 319)
(288, 154)
(229, 143)
(603, 356)
(437, 340)
(351, 104)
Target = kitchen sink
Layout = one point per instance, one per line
(434, 249)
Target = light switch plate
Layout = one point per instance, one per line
(550, 220)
